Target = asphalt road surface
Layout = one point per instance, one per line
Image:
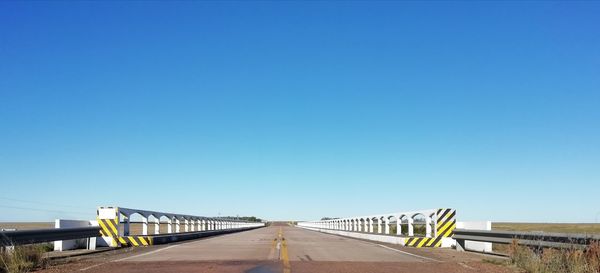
(283, 249)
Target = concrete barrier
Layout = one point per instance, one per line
(365, 236)
(89, 243)
(438, 227)
(115, 226)
(169, 238)
(476, 225)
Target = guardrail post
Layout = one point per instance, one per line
(411, 229)
(460, 245)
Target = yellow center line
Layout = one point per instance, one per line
(284, 253)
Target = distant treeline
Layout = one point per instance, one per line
(243, 218)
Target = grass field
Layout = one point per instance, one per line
(548, 227)
(26, 225)
(545, 227)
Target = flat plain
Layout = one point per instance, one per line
(549, 227)
(26, 225)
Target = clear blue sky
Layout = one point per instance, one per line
(301, 110)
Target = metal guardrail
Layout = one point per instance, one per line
(532, 239)
(22, 237)
(19, 237)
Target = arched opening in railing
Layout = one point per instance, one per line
(152, 225)
(391, 225)
(404, 225)
(420, 225)
(166, 225)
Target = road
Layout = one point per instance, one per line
(284, 249)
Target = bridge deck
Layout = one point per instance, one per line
(284, 249)
(261, 245)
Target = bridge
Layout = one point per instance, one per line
(183, 243)
(136, 240)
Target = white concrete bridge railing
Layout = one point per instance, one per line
(434, 224)
(115, 222)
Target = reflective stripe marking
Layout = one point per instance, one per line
(113, 227)
(443, 228)
(445, 225)
(104, 228)
(423, 241)
(133, 241)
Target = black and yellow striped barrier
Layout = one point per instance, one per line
(135, 240)
(445, 225)
(110, 228)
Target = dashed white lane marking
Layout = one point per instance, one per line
(410, 254)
